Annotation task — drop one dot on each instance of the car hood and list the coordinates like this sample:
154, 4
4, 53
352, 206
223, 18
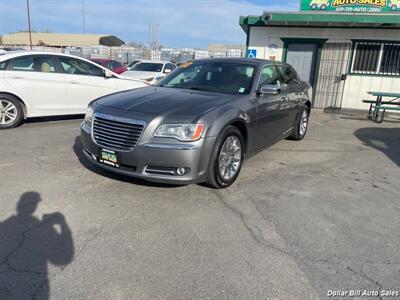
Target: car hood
157, 101
140, 74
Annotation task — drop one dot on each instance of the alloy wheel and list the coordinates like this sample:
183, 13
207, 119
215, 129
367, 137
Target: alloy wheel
8, 112
230, 158
303, 122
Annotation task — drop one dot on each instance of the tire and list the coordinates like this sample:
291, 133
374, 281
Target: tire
314, 6
394, 7
11, 112
323, 7
300, 132
230, 136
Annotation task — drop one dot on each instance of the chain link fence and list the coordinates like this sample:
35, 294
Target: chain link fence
126, 54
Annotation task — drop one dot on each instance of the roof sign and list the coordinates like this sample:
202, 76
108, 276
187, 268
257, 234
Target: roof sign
352, 6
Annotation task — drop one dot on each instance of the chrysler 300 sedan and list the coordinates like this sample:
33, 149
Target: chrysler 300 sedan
199, 122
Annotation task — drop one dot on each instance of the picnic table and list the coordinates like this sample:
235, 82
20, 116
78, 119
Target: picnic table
378, 107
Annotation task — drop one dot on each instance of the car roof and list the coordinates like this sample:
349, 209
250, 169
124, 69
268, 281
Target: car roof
256, 61
13, 54
155, 62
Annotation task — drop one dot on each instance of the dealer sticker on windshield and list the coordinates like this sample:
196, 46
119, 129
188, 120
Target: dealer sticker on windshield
109, 157
241, 90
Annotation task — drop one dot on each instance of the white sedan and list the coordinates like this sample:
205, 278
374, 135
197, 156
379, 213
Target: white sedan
150, 71
35, 84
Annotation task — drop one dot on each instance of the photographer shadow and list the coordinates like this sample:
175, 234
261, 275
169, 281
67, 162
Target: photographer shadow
27, 245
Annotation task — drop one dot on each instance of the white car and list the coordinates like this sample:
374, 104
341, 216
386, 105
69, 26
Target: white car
150, 71
36, 84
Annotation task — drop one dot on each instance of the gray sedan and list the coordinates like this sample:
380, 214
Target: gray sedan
198, 123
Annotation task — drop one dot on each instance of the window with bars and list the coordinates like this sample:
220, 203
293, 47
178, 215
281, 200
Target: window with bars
376, 58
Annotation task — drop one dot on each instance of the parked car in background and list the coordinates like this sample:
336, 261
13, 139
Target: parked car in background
132, 63
199, 123
110, 64
34, 84
150, 71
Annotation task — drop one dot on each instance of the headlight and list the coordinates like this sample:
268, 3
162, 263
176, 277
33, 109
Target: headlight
182, 132
89, 115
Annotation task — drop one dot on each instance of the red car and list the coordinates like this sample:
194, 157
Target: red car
110, 64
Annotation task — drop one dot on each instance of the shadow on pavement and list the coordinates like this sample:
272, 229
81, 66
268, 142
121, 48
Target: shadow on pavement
53, 118
386, 140
27, 245
77, 147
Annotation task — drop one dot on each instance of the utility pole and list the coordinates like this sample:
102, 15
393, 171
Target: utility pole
29, 23
83, 16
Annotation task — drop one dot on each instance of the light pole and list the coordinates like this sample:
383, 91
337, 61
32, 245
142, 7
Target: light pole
29, 23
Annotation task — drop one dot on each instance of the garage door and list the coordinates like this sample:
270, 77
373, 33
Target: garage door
333, 64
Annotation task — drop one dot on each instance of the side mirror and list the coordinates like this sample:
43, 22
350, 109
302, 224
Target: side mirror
108, 74
270, 89
167, 71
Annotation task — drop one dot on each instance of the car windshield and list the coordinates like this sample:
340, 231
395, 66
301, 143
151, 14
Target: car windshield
222, 77
148, 67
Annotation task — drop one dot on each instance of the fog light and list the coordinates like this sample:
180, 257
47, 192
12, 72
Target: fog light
180, 171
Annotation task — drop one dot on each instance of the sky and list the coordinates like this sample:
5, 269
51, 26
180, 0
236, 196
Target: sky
182, 23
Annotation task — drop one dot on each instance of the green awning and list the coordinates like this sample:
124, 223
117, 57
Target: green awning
335, 20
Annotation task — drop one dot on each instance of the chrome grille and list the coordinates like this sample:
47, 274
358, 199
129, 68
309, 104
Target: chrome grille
116, 134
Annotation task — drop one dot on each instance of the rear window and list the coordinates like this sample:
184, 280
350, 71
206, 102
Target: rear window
32, 64
149, 67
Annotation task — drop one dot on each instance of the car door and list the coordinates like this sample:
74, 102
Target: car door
85, 81
291, 85
38, 82
271, 116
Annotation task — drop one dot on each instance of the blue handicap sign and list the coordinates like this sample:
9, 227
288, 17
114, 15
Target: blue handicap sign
251, 53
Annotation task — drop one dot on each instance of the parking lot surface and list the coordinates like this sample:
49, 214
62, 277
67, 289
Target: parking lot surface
303, 218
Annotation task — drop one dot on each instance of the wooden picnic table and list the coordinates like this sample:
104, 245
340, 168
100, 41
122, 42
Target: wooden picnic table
380, 105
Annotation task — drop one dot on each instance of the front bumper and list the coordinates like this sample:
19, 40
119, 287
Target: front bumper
148, 157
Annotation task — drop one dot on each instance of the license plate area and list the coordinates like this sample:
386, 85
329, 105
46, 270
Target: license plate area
109, 157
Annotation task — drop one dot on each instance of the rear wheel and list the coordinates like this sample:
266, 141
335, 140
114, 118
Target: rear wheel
226, 159
302, 125
11, 113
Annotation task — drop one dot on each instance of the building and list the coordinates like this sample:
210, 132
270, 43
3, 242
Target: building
226, 50
343, 55
60, 39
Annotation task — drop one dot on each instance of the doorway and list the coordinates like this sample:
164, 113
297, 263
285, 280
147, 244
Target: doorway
302, 57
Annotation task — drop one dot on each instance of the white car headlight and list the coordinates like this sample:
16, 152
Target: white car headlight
89, 115
182, 132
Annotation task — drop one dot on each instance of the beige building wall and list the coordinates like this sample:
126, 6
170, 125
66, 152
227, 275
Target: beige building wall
267, 41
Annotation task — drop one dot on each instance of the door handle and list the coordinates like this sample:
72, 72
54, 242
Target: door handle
284, 99
17, 77
300, 93
74, 82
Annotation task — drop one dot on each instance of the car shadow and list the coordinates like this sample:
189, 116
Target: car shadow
385, 140
53, 118
77, 147
28, 245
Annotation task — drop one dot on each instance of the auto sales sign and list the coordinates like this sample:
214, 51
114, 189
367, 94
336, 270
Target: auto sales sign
352, 6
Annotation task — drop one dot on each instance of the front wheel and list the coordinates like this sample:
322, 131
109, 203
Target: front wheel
226, 158
302, 125
11, 113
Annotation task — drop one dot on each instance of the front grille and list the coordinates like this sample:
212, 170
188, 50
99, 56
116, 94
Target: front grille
116, 135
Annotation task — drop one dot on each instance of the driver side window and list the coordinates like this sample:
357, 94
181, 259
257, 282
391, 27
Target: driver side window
269, 75
79, 67
288, 76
